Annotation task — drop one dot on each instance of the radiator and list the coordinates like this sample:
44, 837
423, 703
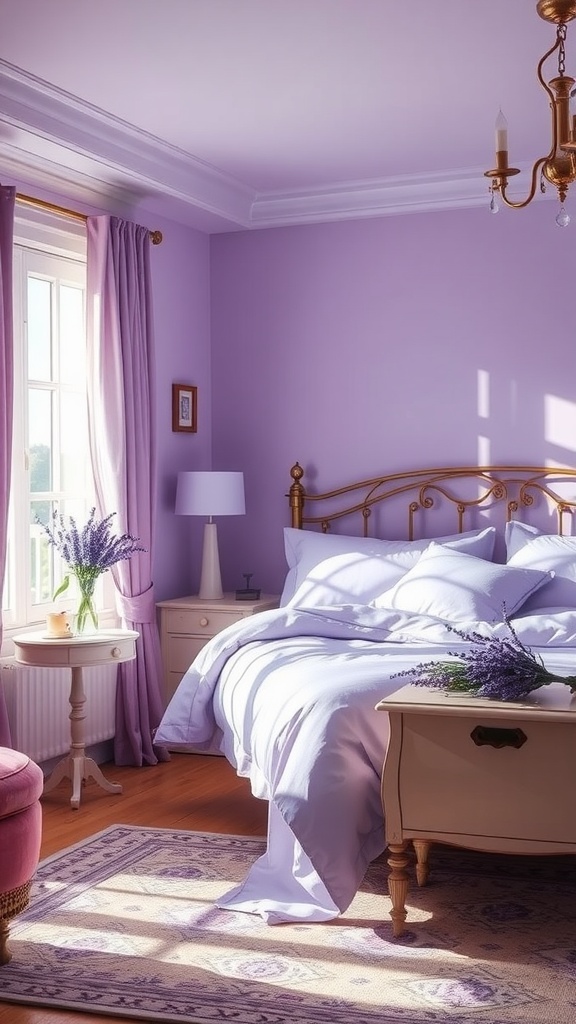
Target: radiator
39, 708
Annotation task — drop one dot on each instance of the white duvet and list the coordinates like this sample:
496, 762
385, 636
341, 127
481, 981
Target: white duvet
289, 697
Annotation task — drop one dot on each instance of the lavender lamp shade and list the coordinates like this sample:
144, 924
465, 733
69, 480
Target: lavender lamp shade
210, 494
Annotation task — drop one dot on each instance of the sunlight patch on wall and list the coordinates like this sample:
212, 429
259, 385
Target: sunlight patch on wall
483, 408
483, 394
560, 422
560, 430
483, 451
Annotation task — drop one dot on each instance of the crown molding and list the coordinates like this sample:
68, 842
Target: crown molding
417, 193
41, 126
55, 140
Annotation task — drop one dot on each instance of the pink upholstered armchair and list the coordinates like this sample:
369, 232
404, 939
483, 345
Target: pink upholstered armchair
21, 783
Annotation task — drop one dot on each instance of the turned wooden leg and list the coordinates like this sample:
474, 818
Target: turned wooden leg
11, 903
398, 885
422, 849
5, 954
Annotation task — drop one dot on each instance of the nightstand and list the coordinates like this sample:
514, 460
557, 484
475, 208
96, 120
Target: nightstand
187, 623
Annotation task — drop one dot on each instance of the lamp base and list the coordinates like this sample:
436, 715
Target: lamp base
210, 580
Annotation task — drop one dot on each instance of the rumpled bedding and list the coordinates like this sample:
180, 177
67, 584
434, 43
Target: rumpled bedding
289, 697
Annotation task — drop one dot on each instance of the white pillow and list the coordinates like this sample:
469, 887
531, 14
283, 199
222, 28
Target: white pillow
530, 549
457, 587
327, 569
517, 535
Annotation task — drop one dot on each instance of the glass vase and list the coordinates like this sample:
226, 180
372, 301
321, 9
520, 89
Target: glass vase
86, 619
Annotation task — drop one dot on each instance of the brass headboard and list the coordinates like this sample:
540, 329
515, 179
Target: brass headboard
463, 488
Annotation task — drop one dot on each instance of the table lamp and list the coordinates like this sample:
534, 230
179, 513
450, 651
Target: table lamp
210, 494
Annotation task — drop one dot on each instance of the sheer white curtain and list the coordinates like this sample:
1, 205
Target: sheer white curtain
121, 407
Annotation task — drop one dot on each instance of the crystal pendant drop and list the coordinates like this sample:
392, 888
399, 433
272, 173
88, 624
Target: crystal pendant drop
493, 204
562, 218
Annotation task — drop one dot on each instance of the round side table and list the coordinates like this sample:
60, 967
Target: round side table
77, 653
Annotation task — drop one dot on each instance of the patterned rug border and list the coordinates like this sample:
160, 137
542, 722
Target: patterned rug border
158, 989
257, 840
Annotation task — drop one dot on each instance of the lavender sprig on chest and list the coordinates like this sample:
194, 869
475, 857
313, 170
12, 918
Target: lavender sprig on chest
495, 667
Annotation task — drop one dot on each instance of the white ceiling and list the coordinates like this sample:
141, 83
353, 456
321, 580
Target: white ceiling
230, 114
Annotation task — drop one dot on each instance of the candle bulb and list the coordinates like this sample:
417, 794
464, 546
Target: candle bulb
501, 139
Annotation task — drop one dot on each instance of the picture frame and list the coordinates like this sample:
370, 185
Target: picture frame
184, 408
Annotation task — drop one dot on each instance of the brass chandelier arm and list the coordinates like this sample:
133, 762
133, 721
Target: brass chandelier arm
500, 186
551, 95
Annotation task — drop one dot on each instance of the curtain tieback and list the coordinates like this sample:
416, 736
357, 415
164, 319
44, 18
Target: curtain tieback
139, 608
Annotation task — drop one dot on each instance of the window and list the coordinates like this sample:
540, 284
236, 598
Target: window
50, 459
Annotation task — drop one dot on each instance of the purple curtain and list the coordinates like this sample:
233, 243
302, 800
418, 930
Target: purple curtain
7, 200
122, 441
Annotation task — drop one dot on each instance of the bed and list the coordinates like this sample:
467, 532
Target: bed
289, 695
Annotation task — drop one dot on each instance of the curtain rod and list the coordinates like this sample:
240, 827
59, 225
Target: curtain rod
155, 236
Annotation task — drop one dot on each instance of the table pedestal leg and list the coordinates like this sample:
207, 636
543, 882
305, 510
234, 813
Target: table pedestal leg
76, 766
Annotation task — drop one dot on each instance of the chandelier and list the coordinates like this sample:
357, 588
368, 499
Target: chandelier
558, 167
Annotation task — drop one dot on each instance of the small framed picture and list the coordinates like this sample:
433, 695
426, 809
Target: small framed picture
184, 407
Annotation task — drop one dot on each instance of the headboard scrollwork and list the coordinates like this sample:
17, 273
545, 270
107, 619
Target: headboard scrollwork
463, 489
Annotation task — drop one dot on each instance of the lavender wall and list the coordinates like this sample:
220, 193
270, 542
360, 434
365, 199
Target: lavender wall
368, 346
182, 332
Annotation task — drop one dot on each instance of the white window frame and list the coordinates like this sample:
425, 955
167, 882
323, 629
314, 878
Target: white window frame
42, 232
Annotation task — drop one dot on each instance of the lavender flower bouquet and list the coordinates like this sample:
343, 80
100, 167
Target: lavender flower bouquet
501, 669
88, 553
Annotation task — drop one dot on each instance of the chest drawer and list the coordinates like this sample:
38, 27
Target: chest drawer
450, 784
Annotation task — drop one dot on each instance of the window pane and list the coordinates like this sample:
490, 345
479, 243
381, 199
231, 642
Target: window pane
72, 338
74, 443
40, 439
41, 554
39, 329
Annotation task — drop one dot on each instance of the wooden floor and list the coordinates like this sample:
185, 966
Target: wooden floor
190, 791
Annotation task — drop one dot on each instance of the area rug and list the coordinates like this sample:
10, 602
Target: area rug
124, 924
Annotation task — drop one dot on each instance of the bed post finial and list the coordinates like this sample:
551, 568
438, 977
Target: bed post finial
296, 496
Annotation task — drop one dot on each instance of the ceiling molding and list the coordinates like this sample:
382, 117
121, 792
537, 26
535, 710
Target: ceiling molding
40, 124
58, 142
385, 197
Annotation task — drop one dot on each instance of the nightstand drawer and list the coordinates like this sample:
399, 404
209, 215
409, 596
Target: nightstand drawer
201, 621
181, 651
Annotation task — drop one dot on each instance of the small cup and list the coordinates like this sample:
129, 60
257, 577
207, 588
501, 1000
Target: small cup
58, 625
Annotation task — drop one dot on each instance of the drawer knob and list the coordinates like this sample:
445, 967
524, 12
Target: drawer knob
115, 652
204, 621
